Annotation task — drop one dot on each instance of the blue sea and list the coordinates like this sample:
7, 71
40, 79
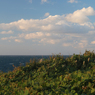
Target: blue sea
6, 61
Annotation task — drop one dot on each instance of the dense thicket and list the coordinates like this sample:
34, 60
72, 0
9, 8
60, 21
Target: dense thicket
74, 75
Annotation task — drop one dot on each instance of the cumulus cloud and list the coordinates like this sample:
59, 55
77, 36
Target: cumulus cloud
42, 37
34, 24
73, 1
5, 32
67, 44
93, 42
50, 41
88, 24
80, 16
8, 38
5, 38
53, 23
83, 43
18, 40
65, 29
36, 35
76, 43
46, 14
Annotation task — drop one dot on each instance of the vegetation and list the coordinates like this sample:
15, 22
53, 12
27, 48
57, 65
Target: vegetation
54, 76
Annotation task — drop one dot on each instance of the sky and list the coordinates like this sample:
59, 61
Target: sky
46, 27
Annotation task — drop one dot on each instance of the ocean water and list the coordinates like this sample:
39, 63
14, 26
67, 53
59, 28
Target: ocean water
6, 62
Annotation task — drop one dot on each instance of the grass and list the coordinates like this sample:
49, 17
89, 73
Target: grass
54, 76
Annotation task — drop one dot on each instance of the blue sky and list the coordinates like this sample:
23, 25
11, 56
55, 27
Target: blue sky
46, 27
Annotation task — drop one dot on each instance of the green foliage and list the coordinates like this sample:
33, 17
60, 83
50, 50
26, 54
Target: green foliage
54, 76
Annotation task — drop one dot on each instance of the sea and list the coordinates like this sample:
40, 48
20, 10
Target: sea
7, 61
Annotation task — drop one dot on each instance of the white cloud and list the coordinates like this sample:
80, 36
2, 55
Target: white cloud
5, 32
50, 41
8, 38
33, 24
18, 40
47, 27
67, 44
53, 23
80, 16
83, 43
88, 24
66, 30
46, 14
12, 38
37, 35
34, 35
50, 38
73, 1
93, 42
79, 44
5, 38
48, 34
